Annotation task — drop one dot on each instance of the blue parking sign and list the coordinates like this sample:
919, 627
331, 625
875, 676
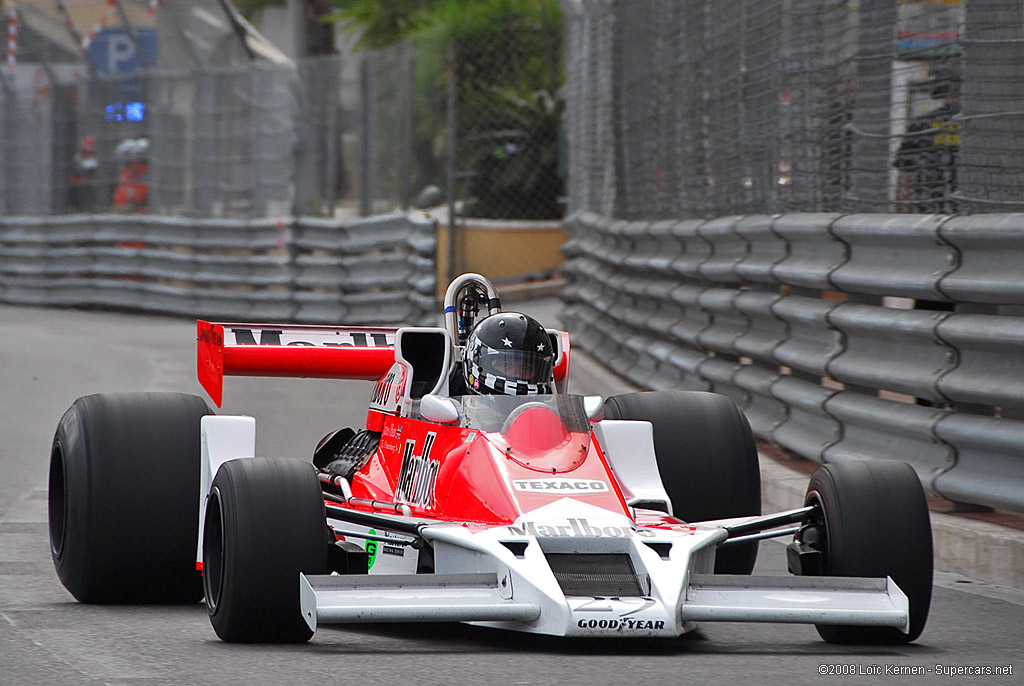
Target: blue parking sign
113, 52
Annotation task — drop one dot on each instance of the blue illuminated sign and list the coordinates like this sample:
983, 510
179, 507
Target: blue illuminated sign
125, 111
113, 51
135, 111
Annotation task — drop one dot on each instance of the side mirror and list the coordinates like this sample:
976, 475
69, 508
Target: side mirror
593, 405
435, 408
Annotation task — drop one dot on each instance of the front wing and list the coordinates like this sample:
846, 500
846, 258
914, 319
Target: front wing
624, 581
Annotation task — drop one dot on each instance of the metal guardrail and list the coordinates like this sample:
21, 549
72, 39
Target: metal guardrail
842, 337
378, 270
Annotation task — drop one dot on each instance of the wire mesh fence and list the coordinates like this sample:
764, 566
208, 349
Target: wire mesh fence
477, 94
507, 79
181, 108
125, 106
380, 130
700, 108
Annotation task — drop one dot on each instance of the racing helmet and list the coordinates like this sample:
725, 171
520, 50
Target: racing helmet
509, 353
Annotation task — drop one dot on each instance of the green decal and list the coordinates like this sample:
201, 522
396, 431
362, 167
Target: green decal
371, 548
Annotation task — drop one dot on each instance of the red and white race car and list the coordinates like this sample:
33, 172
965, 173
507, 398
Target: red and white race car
473, 494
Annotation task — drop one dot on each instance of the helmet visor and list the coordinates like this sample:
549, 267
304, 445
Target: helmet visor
517, 365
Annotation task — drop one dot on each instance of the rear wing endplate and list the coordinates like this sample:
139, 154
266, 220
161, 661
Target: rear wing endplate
320, 352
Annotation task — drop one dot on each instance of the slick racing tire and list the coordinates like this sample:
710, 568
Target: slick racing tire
265, 523
124, 498
707, 458
874, 523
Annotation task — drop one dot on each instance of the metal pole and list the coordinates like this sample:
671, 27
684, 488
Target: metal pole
236, 26
132, 36
332, 142
297, 24
452, 218
76, 36
410, 124
365, 157
8, 158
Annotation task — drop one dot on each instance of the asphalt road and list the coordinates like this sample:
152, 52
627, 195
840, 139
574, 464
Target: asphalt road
50, 357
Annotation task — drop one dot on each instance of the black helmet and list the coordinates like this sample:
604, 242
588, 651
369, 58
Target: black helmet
509, 353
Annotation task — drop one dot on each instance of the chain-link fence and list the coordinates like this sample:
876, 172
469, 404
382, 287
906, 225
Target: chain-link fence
379, 117
181, 108
169, 108
508, 104
480, 86
692, 108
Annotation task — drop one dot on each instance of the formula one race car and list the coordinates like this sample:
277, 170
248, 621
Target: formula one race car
479, 491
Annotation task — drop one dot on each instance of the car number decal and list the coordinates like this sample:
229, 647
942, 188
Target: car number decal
418, 476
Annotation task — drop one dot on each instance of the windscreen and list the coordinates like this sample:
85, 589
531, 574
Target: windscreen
491, 412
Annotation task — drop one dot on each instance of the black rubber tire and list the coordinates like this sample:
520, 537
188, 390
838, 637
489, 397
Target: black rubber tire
124, 498
265, 523
876, 524
707, 458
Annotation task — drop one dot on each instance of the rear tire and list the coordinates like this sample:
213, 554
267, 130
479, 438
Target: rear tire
265, 523
876, 524
707, 458
124, 498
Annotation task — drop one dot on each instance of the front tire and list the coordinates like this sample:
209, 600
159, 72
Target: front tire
124, 498
265, 523
707, 458
875, 524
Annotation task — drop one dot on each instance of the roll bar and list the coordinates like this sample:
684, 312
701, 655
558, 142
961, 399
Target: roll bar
458, 322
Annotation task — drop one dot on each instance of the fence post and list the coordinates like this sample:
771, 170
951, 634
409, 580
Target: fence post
366, 140
452, 172
410, 127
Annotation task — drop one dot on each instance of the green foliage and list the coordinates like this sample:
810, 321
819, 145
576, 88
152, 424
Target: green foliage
516, 168
382, 23
508, 73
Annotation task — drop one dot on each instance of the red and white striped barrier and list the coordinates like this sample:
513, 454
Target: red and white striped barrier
12, 37
100, 25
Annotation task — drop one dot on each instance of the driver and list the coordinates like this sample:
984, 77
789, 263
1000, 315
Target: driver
507, 353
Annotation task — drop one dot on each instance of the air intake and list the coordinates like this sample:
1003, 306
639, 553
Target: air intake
597, 574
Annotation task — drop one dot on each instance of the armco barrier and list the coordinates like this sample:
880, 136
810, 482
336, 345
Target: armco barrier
891, 349
377, 270
988, 350
889, 256
870, 336
988, 270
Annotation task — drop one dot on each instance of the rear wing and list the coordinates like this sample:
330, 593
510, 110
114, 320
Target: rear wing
320, 352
